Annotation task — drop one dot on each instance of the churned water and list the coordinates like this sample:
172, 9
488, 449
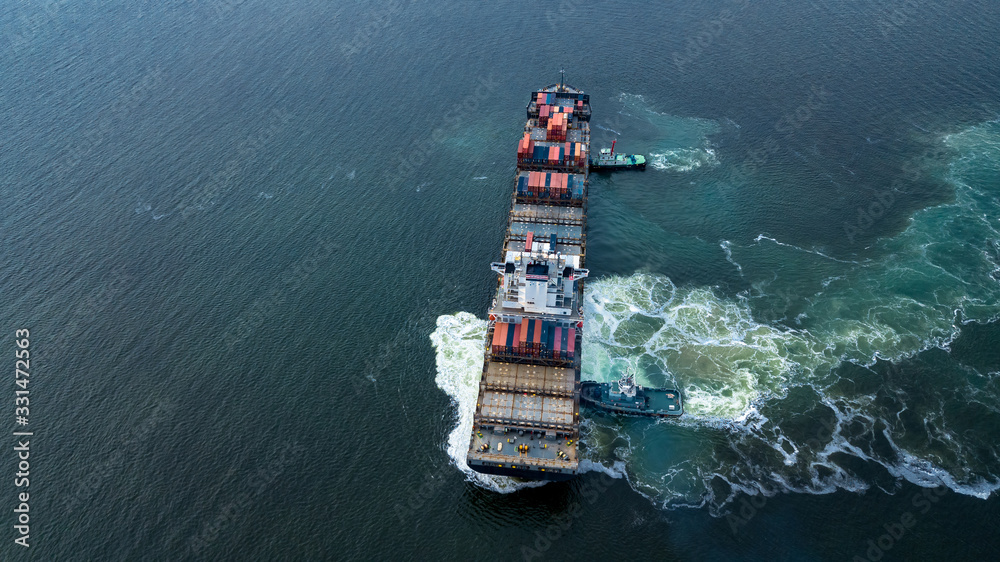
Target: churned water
251, 244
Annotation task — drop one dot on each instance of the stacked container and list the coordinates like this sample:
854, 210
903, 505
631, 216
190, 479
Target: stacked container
549, 185
556, 128
533, 337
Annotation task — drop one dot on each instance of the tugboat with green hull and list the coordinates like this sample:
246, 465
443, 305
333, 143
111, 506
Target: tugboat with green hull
609, 161
625, 397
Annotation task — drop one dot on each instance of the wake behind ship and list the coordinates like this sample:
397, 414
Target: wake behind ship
527, 418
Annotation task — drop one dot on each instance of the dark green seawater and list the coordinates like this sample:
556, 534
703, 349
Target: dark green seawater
251, 240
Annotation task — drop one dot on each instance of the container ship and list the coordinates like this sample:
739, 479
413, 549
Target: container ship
527, 418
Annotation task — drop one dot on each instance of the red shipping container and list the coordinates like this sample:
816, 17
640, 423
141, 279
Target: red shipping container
553, 154
571, 343
523, 337
517, 338
557, 341
497, 330
538, 334
527, 243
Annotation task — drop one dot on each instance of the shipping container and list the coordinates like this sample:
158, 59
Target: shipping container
557, 343
497, 331
527, 242
571, 343
523, 334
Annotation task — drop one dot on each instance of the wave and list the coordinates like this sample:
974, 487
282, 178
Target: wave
681, 144
683, 159
458, 341
841, 398
752, 382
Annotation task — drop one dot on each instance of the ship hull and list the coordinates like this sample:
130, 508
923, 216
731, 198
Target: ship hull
522, 473
527, 419
596, 167
619, 162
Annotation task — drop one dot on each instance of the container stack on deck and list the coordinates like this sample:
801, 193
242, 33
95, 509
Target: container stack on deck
527, 418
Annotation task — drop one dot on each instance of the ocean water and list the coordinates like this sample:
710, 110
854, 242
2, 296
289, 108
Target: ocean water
251, 244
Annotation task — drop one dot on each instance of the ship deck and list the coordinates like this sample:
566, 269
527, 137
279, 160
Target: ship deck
529, 394
530, 378
542, 452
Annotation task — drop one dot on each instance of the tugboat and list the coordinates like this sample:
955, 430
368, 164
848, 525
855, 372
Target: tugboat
625, 397
608, 160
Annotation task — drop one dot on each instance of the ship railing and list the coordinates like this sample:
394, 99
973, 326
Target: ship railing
522, 359
548, 201
560, 393
524, 459
527, 425
533, 218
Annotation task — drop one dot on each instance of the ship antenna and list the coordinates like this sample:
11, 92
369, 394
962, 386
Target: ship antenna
626, 384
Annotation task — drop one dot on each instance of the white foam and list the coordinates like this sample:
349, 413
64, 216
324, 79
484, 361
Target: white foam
616, 470
727, 247
459, 341
683, 159
732, 368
